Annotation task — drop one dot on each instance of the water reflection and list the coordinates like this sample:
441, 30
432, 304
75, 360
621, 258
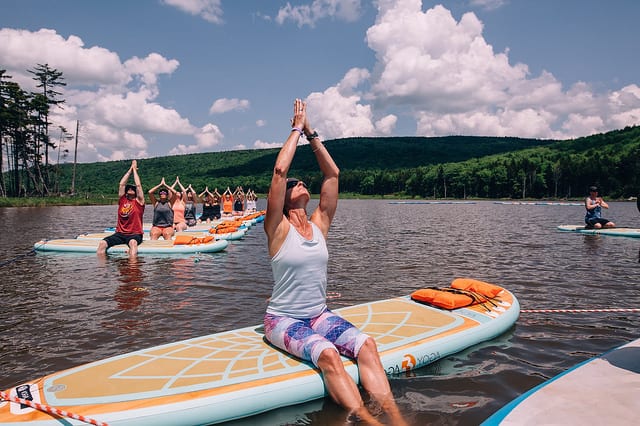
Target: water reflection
593, 244
130, 294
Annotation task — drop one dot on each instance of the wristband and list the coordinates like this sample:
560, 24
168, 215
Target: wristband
297, 129
312, 136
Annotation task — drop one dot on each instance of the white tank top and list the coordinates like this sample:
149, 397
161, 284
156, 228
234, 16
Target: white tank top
300, 275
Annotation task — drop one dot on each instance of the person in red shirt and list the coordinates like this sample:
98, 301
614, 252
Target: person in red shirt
130, 212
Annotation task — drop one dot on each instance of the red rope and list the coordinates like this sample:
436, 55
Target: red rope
580, 310
51, 410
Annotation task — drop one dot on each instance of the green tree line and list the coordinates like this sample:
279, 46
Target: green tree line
444, 167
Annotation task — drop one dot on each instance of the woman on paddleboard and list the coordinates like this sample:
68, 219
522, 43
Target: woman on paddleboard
130, 211
179, 206
162, 225
297, 318
594, 205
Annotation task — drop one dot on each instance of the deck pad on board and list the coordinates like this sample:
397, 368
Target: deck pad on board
235, 374
603, 390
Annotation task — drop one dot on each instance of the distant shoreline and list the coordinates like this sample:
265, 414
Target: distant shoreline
113, 200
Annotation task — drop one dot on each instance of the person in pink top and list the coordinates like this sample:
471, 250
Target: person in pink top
179, 206
130, 212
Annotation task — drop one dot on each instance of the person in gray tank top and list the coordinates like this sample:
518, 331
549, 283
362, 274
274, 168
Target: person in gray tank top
297, 318
162, 225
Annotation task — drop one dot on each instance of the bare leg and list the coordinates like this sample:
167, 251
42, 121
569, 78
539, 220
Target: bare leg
341, 387
102, 248
155, 233
374, 380
133, 248
167, 233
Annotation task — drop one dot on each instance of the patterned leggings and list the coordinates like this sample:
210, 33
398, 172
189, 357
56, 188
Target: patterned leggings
307, 338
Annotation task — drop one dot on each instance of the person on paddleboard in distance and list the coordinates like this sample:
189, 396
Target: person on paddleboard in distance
297, 318
594, 205
162, 225
130, 212
211, 207
179, 206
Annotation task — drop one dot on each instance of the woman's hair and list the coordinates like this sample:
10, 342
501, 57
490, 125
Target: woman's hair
132, 187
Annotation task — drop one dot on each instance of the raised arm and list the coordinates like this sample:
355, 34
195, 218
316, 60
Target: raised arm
125, 178
152, 192
324, 213
138, 182
273, 220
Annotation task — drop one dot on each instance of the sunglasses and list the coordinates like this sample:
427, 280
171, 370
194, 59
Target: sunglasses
293, 183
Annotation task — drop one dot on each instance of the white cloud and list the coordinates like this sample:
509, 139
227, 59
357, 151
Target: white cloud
207, 138
339, 109
489, 4
386, 124
113, 100
261, 123
21, 50
263, 145
209, 10
344, 10
225, 105
443, 74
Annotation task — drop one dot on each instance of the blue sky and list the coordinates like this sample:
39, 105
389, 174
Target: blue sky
149, 78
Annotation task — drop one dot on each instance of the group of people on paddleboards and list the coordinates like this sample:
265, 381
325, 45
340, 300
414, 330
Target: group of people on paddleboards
174, 209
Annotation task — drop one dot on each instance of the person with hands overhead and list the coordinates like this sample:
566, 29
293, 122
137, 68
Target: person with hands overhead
239, 200
129, 229
179, 206
210, 205
190, 209
594, 205
162, 225
297, 319
227, 202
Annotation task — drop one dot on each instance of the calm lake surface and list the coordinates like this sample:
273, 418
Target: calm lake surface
61, 310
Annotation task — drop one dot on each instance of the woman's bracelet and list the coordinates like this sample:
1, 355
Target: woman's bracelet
312, 136
297, 129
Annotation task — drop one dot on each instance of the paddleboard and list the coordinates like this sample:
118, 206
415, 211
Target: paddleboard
538, 203
236, 235
432, 202
601, 391
246, 221
236, 374
88, 245
200, 227
616, 232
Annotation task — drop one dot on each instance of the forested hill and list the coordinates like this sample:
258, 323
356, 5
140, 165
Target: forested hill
454, 166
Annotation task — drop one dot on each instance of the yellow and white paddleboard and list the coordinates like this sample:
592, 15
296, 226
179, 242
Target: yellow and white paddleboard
90, 245
235, 374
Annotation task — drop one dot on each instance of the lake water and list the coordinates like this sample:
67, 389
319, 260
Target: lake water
61, 310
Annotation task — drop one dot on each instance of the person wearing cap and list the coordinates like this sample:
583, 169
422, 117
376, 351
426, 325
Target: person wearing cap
297, 319
162, 225
130, 212
594, 205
